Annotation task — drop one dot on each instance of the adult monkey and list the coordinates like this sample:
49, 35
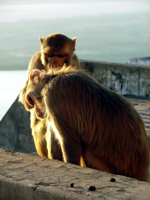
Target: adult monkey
56, 50
95, 126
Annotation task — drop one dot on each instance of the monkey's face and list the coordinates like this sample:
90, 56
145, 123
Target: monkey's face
56, 50
33, 96
38, 104
55, 59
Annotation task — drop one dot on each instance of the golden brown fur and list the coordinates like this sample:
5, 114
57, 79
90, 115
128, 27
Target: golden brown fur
56, 49
94, 126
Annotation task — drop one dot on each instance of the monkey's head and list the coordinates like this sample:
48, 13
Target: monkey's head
34, 96
56, 50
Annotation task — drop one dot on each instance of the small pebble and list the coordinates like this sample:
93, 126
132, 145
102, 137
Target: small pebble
72, 185
92, 188
112, 180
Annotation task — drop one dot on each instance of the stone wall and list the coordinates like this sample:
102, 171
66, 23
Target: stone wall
123, 78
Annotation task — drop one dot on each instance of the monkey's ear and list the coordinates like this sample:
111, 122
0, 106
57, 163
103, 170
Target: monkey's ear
41, 40
74, 43
33, 74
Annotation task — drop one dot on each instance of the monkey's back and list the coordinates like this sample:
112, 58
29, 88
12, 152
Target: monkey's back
101, 120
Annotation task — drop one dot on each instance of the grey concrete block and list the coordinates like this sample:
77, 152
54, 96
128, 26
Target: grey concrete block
15, 133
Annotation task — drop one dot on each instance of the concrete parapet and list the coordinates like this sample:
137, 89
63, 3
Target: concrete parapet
122, 78
30, 177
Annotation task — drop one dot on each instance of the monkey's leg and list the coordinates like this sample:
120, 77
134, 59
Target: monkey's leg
53, 146
90, 160
40, 143
71, 150
39, 129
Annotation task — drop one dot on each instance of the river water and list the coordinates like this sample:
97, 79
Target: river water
106, 30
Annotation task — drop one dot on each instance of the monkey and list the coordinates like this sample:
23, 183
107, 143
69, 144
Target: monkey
56, 50
45, 143
95, 126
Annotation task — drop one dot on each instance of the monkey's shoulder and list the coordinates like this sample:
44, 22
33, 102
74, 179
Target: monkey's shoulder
35, 62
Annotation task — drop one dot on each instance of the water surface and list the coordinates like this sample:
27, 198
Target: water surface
106, 30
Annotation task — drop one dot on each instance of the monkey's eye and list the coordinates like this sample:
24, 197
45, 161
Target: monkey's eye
61, 55
50, 55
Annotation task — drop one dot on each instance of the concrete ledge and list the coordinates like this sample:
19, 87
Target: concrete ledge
30, 177
122, 78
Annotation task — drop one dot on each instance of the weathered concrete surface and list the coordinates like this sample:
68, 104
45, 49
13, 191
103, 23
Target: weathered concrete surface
15, 133
122, 78
30, 177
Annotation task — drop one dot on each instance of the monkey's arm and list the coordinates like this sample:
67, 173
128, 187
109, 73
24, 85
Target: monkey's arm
35, 62
75, 61
39, 130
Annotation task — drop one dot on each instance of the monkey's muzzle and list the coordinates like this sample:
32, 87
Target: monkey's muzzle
29, 99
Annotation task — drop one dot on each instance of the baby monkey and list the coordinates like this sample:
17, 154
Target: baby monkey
94, 126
